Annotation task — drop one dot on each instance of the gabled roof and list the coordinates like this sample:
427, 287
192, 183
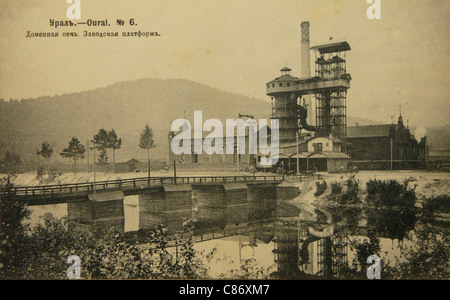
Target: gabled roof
128, 161
284, 78
332, 47
329, 155
368, 131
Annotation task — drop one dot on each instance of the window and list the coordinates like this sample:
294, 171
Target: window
281, 84
317, 147
288, 84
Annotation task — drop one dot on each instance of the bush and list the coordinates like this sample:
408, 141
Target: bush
439, 204
336, 192
321, 186
351, 195
390, 193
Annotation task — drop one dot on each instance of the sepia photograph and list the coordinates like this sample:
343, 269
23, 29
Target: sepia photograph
203, 141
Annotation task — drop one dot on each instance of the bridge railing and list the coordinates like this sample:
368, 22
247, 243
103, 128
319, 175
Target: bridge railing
136, 183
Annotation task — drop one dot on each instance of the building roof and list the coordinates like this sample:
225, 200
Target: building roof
284, 78
332, 138
301, 155
132, 160
439, 152
332, 47
368, 131
329, 155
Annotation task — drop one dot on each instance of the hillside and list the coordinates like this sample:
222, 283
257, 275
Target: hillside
127, 107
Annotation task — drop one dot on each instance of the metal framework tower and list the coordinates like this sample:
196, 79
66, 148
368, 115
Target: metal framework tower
329, 86
331, 103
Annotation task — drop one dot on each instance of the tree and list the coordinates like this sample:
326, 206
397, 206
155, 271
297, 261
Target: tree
114, 143
427, 257
13, 231
101, 139
101, 142
10, 162
103, 158
147, 142
104, 140
46, 151
75, 151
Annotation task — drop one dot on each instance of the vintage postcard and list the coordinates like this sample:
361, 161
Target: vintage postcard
206, 139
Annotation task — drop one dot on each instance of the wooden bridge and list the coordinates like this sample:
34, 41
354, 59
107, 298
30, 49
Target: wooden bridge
62, 193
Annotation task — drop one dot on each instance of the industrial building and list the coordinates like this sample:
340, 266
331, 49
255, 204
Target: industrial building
312, 115
386, 146
309, 147
316, 148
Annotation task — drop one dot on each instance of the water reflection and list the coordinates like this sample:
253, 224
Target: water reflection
296, 244
323, 247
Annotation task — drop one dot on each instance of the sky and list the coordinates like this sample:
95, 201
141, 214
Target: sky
236, 46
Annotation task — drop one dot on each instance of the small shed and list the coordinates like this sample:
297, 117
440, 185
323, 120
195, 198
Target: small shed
131, 165
328, 161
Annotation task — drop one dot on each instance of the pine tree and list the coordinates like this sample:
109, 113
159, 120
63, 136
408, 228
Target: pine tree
103, 158
46, 151
11, 162
147, 142
114, 143
75, 151
101, 140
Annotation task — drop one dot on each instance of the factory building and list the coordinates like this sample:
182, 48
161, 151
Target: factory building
313, 132
380, 147
318, 147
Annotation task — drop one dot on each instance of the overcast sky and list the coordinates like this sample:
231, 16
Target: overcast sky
237, 46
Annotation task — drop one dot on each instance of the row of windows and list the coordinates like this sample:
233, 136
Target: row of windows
288, 84
194, 158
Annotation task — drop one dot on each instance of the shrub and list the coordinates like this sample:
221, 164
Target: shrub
351, 195
390, 193
336, 191
320, 188
440, 204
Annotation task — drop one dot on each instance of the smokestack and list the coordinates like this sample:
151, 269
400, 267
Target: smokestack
306, 61
306, 68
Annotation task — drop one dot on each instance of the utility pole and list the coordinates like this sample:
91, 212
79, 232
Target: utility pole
298, 159
95, 174
88, 156
174, 171
392, 146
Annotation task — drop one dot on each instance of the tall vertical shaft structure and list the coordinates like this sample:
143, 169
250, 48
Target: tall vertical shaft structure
329, 86
331, 103
306, 59
306, 67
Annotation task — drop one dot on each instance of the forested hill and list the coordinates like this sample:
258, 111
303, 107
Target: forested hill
126, 107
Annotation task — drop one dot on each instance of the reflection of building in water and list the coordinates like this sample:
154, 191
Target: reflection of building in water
302, 248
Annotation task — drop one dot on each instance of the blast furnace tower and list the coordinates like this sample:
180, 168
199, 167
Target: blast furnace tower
291, 96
